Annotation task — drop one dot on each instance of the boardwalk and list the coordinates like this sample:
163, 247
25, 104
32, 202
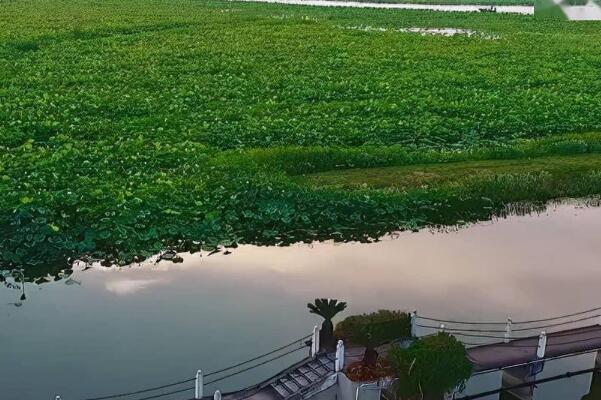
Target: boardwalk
519, 351
495, 365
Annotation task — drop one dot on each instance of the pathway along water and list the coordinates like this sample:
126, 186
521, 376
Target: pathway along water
528, 10
115, 330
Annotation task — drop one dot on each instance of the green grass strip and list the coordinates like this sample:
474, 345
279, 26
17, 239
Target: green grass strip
431, 175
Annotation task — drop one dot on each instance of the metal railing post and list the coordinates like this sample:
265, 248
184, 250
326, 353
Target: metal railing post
315, 341
542, 345
198, 385
339, 356
508, 330
414, 324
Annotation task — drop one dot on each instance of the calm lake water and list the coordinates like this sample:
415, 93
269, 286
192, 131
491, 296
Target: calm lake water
123, 329
401, 6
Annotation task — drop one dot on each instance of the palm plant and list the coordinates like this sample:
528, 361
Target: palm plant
327, 309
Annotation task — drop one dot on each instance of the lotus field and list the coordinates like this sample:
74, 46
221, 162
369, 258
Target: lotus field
129, 127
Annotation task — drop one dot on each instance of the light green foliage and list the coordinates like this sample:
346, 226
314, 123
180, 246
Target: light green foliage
131, 126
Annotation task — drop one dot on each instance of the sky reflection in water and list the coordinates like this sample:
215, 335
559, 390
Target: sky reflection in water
121, 329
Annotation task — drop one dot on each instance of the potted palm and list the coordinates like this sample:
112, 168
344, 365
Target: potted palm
327, 309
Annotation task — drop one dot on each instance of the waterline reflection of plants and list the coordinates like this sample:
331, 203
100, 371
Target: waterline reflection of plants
9, 280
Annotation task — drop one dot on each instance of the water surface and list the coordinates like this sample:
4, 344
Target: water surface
113, 329
401, 6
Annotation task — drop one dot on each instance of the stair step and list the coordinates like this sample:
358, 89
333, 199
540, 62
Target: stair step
289, 384
309, 374
282, 391
318, 368
326, 362
299, 379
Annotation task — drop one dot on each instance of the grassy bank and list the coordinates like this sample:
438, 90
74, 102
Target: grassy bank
128, 127
428, 175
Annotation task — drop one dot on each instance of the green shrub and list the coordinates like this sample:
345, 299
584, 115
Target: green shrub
374, 329
430, 367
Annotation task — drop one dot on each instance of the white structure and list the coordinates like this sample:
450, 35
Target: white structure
339, 356
198, 385
315, 341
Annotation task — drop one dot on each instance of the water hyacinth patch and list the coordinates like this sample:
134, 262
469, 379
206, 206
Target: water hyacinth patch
125, 133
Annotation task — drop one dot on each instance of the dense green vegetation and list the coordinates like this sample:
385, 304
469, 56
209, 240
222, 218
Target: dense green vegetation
430, 367
127, 127
372, 330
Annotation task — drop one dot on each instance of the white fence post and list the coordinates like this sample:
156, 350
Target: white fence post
217, 395
508, 330
58, 398
542, 345
198, 387
414, 324
339, 356
442, 328
315, 341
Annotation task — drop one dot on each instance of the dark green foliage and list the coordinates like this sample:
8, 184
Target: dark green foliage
374, 329
128, 127
575, 2
25, 45
430, 367
327, 309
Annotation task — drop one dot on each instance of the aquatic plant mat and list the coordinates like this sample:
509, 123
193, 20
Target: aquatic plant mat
129, 127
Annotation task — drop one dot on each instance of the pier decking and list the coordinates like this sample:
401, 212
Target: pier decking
313, 376
520, 351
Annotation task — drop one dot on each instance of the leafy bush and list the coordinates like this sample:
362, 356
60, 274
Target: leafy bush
430, 367
374, 329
